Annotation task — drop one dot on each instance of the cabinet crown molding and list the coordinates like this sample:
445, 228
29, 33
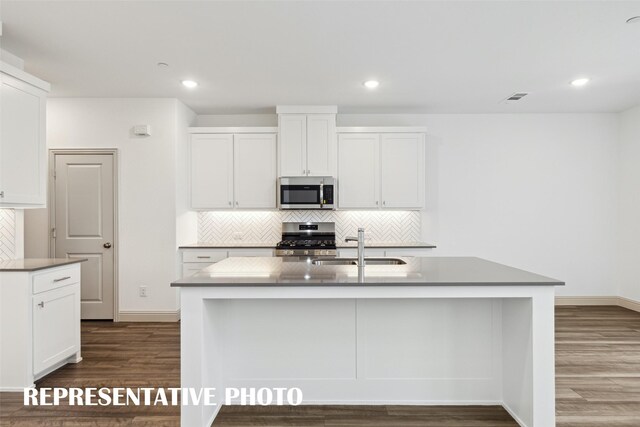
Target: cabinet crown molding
24, 76
307, 109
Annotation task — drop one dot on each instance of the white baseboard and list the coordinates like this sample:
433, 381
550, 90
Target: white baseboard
603, 300
149, 316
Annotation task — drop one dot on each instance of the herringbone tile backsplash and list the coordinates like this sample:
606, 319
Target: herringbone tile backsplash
266, 226
7, 234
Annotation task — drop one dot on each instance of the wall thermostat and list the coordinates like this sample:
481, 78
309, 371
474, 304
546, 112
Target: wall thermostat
142, 130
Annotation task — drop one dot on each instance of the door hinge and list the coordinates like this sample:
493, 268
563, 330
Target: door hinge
53, 233
54, 174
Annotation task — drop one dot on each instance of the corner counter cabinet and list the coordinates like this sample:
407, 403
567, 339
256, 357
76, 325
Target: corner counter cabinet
39, 319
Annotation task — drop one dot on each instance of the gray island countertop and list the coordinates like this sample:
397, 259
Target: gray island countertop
34, 264
418, 271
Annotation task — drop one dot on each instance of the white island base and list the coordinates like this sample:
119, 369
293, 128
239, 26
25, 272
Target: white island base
472, 344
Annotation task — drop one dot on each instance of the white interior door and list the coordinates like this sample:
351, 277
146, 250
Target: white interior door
255, 171
402, 170
84, 226
358, 171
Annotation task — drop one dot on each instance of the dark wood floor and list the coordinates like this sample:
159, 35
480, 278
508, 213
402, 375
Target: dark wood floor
597, 370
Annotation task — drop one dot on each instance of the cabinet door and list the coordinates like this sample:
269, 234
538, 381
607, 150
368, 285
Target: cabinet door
321, 144
255, 171
212, 171
358, 171
292, 144
402, 170
22, 144
56, 326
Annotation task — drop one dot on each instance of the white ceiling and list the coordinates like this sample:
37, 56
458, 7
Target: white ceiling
432, 57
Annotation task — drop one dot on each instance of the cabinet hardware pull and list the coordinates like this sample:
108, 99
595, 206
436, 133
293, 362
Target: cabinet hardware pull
237, 204
41, 304
61, 279
229, 203
376, 203
1, 194
205, 257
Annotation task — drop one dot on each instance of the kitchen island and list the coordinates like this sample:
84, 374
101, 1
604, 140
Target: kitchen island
432, 331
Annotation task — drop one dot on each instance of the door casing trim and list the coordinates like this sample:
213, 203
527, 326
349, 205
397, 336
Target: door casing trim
52, 209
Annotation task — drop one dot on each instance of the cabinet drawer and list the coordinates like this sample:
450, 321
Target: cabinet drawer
55, 278
205, 256
250, 252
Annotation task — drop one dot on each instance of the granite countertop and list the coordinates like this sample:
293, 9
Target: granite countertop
418, 271
339, 245
34, 264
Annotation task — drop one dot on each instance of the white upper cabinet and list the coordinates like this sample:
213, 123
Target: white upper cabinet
358, 171
255, 171
233, 171
292, 141
307, 144
23, 158
380, 170
321, 144
212, 171
402, 170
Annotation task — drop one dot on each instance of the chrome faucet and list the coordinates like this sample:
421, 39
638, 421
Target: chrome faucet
360, 240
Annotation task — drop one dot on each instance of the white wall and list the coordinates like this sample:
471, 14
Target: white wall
629, 205
146, 187
535, 191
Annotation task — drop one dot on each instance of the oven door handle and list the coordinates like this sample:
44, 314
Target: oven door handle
321, 195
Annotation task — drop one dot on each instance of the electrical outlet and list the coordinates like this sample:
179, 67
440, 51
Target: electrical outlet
143, 291
238, 235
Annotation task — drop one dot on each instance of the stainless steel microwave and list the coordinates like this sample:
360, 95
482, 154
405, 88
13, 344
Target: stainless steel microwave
311, 192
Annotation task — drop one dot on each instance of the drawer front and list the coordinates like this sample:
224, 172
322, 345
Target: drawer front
250, 252
353, 253
408, 252
55, 278
205, 256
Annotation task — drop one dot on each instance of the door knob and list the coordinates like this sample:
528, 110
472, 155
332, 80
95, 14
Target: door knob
107, 245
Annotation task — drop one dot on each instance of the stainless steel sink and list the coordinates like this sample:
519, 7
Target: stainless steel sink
354, 261
384, 261
335, 261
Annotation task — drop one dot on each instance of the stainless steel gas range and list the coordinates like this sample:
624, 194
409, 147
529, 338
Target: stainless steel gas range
307, 239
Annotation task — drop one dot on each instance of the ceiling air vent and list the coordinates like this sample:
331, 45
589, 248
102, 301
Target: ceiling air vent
517, 96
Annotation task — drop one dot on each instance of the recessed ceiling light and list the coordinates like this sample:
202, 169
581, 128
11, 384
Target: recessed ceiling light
580, 82
189, 83
371, 84
633, 20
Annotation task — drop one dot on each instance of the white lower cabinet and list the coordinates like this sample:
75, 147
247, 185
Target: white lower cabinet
194, 260
39, 323
56, 326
